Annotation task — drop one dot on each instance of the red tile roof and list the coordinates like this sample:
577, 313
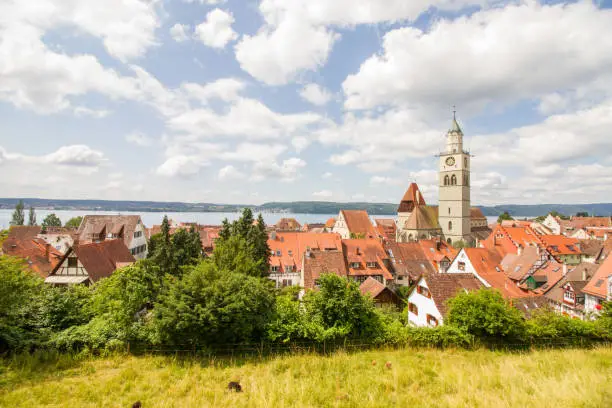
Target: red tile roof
412, 198
22, 242
598, 285
506, 240
358, 222
386, 228
409, 259
330, 223
444, 286
487, 266
319, 262
101, 259
364, 252
287, 224
292, 245
96, 224
561, 245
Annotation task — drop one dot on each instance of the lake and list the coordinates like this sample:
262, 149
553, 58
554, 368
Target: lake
155, 218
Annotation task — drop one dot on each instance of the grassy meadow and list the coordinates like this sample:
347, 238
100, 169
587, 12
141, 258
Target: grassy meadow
421, 378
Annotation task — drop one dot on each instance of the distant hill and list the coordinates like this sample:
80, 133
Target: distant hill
299, 207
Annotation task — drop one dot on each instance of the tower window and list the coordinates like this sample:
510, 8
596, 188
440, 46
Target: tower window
450, 225
448, 210
453, 180
446, 180
465, 162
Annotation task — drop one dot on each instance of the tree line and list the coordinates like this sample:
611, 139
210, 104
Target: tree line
51, 220
179, 297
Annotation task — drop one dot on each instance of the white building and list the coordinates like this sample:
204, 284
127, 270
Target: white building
427, 302
129, 228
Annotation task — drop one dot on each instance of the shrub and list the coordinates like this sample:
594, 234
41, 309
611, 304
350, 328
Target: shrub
485, 314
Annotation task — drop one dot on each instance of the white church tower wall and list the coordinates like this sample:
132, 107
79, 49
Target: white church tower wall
454, 182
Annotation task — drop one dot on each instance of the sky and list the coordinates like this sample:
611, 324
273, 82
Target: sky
245, 101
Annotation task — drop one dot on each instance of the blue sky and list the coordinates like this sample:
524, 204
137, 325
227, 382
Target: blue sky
253, 101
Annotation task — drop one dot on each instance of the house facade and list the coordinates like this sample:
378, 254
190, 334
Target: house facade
354, 224
85, 264
428, 300
128, 228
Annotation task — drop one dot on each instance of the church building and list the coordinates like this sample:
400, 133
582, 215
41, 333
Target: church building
453, 219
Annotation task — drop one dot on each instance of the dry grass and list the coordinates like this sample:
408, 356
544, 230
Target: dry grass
420, 378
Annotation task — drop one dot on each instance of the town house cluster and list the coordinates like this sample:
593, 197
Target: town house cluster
438, 251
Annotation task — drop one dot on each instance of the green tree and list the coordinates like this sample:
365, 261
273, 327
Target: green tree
74, 222
485, 314
338, 310
582, 214
504, 217
119, 305
253, 232
51, 220
64, 307
209, 307
160, 249
19, 290
32, 216
186, 247
18, 215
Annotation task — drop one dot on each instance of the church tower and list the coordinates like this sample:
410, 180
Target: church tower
454, 206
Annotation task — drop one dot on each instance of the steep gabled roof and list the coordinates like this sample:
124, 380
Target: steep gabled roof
95, 224
316, 263
358, 222
597, 286
22, 242
412, 198
101, 259
443, 286
409, 259
423, 218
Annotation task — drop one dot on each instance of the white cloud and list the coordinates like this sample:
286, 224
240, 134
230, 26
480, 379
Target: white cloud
323, 194
315, 94
254, 152
76, 155
139, 139
298, 35
513, 49
277, 55
81, 111
181, 166
216, 31
327, 175
225, 89
287, 171
178, 32
386, 180
300, 143
247, 118
229, 172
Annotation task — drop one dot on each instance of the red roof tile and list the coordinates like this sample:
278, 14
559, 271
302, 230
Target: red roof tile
412, 198
597, 286
22, 242
358, 222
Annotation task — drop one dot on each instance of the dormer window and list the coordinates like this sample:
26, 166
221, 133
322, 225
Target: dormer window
278, 253
371, 264
355, 265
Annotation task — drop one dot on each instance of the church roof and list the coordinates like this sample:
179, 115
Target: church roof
412, 198
424, 217
455, 126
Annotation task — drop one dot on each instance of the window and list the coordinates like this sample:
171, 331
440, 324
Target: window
278, 253
453, 180
448, 210
446, 180
290, 252
461, 266
355, 265
465, 162
73, 262
413, 309
432, 321
137, 234
569, 296
371, 264
286, 282
422, 290
274, 268
450, 225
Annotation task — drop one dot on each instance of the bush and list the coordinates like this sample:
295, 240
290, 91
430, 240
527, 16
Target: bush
548, 324
210, 307
485, 314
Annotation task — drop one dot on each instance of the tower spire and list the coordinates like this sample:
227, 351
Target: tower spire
455, 125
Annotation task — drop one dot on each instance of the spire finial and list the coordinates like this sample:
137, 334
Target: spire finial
454, 112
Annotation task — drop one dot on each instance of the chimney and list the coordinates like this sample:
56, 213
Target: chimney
564, 269
584, 274
519, 250
47, 245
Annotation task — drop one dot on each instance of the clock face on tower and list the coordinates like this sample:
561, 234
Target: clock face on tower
450, 161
